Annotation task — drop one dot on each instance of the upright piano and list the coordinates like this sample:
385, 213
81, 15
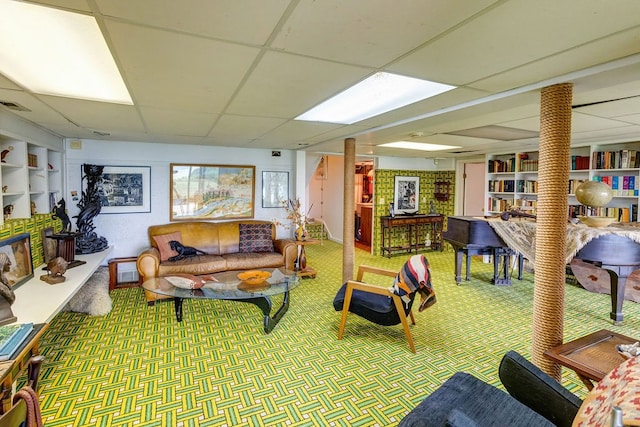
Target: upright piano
618, 255
472, 236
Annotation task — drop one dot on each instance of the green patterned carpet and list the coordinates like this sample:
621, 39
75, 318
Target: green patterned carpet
138, 366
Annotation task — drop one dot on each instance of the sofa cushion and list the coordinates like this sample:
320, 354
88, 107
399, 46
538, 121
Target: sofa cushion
200, 264
256, 238
475, 400
249, 261
162, 241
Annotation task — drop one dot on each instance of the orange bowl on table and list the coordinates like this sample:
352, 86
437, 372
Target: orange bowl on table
254, 277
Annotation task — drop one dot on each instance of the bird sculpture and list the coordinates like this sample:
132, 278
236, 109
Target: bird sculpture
57, 266
55, 271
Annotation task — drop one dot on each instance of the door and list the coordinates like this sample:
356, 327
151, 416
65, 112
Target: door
473, 181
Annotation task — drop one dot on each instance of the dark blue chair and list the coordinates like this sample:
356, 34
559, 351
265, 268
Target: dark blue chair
375, 303
532, 399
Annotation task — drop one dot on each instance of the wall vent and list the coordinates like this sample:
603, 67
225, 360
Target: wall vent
127, 276
14, 106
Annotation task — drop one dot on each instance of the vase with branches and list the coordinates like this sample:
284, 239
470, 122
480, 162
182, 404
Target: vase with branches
297, 218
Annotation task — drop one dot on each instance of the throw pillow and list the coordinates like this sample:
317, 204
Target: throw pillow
162, 240
256, 238
621, 387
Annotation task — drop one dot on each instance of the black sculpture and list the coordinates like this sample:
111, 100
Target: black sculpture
60, 212
88, 241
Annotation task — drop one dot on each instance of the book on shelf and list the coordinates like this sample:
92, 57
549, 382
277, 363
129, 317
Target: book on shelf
12, 337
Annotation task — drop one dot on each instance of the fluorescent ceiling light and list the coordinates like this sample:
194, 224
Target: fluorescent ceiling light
375, 95
54, 52
409, 145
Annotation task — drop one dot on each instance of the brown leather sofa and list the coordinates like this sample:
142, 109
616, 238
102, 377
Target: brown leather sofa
220, 241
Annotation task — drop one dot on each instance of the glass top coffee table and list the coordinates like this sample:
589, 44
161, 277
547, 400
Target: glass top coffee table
230, 287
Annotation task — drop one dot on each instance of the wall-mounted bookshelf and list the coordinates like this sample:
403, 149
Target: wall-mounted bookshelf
26, 178
512, 179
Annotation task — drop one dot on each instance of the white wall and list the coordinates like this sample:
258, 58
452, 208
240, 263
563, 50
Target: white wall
415, 163
128, 232
18, 128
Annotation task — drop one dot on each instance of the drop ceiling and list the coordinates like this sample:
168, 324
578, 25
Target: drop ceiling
236, 73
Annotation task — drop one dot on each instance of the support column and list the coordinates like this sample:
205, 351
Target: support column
349, 209
553, 175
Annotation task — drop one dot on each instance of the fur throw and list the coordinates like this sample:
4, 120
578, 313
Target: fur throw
93, 298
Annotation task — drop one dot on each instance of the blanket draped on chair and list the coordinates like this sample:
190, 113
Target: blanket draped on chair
415, 276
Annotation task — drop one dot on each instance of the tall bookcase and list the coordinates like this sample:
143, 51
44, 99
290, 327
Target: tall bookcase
512, 179
30, 178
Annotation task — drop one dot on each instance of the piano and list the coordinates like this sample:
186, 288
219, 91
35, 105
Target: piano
617, 255
472, 236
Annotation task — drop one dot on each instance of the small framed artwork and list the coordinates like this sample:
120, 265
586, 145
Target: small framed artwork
211, 192
275, 188
125, 189
406, 194
15, 260
50, 246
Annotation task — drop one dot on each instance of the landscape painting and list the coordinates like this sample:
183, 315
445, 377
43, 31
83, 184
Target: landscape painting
211, 192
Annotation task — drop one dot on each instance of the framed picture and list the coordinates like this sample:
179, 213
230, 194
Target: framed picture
50, 246
211, 192
275, 188
15, 259
125, 189
406, 194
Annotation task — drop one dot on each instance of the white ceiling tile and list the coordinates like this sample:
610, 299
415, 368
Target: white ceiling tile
581, 57
254, 65
177, 122
250, 127
97, 115
5, 83
516, 32
246, 21
587, 123
373, 34
632, 118
299, 131
178, 71
284, 85
72, 5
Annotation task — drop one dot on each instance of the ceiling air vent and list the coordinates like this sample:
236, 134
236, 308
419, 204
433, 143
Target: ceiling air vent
14, 106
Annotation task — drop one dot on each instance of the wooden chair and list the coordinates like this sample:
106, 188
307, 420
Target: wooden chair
374, 303
25, 411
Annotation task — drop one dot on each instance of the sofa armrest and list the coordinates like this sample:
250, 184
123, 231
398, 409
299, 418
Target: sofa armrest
289, 249
531, 386
148, 263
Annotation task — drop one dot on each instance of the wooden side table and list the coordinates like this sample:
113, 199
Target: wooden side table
592, 357
301, 262
113, 274
11, 369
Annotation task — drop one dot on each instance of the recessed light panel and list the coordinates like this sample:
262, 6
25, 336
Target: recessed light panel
375, 95
423, 146
54, 52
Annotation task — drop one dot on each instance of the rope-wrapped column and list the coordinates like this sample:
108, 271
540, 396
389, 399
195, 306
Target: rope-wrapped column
553, 175
349, 209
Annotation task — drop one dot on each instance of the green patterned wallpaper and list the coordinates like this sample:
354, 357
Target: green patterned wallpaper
384, 185
34, 227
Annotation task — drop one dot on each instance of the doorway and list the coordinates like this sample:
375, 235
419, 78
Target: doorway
364, 205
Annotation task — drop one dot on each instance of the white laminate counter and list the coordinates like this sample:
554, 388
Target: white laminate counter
38, 302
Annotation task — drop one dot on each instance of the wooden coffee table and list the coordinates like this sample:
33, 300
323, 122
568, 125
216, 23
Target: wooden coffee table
592, 357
